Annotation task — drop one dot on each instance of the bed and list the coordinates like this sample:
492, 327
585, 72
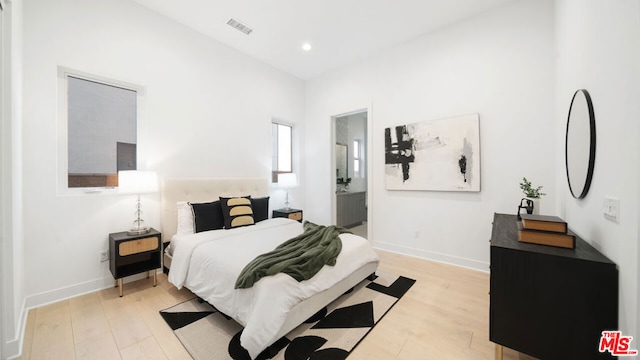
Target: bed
208, 263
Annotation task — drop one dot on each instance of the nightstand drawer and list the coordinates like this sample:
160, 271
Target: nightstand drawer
138, 246
295, 216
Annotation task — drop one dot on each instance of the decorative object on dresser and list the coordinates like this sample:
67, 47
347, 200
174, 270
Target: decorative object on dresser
549, 302
287, 181
293, 214
530, 191
533, 196
550, 238
439, 155
545, 230
525, 204
544, 223
137, 182
133, 254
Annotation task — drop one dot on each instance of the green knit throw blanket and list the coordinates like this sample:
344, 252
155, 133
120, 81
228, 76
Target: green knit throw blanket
300, 257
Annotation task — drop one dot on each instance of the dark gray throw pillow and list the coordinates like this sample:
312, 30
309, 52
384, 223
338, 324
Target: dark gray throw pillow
260, 208
208, 216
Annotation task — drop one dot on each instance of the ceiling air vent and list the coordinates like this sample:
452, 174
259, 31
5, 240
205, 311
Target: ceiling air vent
239, 26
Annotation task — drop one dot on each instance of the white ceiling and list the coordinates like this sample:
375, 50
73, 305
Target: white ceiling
341, 31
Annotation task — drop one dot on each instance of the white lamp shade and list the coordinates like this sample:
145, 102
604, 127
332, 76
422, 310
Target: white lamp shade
287, 180
137, 182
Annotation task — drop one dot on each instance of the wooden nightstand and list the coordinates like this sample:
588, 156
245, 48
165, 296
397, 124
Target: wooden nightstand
294, 214
133, 254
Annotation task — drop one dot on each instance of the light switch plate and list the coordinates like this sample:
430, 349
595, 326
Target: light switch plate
611, 209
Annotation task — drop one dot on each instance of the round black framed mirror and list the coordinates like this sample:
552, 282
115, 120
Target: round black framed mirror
580, 144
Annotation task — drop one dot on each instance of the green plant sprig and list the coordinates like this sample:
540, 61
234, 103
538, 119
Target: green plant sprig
529, 190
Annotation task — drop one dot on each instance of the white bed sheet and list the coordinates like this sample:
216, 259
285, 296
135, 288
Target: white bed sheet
208, 263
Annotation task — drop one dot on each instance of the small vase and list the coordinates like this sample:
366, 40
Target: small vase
536, 205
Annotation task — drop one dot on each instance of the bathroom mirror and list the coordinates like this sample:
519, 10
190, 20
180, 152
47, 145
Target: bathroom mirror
580, 144
341, 162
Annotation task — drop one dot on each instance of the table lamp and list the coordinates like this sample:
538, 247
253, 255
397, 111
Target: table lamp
137, 182
287, 181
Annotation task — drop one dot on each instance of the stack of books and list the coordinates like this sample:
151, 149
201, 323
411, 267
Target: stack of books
545, 230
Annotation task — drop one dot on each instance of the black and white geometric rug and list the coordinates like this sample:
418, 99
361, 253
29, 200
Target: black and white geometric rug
330, 334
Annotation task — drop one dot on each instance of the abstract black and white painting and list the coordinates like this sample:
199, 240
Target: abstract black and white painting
440, 155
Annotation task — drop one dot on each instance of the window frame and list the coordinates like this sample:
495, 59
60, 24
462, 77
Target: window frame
357, 158
62, 185
276, 172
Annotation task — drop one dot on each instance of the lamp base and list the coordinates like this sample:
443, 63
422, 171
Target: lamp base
139, 226
138, 231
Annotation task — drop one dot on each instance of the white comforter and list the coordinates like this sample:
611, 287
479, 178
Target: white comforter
208, 263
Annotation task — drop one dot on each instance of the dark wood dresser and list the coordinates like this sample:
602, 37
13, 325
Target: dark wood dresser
549, 302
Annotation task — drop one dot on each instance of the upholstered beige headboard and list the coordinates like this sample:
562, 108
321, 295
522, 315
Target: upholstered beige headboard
202, 190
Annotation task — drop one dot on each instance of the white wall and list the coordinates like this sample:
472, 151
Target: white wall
499, 64
598, 48
11, 244
207, 113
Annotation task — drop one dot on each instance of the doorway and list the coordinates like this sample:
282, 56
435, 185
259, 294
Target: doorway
351, 174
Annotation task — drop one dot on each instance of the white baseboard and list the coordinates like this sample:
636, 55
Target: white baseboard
13, 348
434, 256
52, 296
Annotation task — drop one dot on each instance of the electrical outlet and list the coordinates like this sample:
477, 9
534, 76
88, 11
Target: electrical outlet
103, 255
611, 209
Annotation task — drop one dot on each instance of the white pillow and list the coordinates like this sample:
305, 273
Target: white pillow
186, 224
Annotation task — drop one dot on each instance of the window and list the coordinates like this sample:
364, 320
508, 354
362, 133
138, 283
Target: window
99, 132
282, 149
358, 171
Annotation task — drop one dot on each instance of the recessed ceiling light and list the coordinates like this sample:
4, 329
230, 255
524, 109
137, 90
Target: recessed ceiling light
306, 47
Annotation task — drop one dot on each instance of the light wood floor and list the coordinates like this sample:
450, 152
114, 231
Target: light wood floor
445, 315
